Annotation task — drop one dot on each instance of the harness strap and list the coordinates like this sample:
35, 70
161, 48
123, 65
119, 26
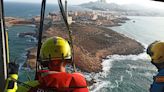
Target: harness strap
49, 89
78, 87
73, 87
159, 79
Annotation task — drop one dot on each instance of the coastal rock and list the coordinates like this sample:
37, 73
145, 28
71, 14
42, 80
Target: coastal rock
9, 21
92, 44
23, 34
31, 58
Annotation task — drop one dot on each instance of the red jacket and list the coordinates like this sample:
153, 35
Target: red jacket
61, 82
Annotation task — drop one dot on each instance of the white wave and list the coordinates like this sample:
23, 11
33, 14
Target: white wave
31, 25
96, 87
106, 84
31, 38
130, 73
18, 34
142, 56
146, 67
147, 74
107, 64
119, 81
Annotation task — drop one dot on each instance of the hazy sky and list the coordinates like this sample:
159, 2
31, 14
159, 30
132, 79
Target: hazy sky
76, 2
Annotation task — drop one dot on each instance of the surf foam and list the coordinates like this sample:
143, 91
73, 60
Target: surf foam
108, 64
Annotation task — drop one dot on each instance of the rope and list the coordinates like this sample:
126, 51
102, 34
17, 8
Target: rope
40, 32
69, 32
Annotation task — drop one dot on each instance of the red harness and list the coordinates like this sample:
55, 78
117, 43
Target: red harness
60, 82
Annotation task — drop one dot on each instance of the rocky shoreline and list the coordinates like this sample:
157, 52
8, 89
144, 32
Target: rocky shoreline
10, 21
91, 45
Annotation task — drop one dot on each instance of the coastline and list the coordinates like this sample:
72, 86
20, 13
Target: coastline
11, 21
91, 45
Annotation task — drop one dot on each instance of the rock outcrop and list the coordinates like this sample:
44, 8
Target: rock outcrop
10, 21
91, 45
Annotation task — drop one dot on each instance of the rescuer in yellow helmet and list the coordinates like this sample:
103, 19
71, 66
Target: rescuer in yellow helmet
55, 54
156, 52
55, 48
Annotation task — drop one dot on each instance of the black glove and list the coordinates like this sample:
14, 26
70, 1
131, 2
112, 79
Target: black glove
13, 68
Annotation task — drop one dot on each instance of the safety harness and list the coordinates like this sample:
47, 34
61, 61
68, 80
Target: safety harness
158, 83
41, 30
159, 79
68, 87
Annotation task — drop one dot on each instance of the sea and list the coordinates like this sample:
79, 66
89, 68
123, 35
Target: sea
131, 73
121, 73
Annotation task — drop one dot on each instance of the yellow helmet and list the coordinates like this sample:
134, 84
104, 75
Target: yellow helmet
156, 52
55, 48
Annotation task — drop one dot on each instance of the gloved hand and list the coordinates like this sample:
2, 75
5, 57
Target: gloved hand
13, 68
13, 77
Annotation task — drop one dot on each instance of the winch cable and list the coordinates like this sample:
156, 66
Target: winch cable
43, 6
69, 32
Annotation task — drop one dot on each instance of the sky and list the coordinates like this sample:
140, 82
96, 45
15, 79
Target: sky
148, 3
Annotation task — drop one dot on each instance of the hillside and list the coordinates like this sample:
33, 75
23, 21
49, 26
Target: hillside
128, 9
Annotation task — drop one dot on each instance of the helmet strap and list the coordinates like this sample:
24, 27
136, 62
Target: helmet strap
45, 63
158, 65
62, 57
49, 59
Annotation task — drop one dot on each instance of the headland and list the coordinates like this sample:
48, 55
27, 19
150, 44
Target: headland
91, 39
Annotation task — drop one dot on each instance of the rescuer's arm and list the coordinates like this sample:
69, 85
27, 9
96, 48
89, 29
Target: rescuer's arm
11, 84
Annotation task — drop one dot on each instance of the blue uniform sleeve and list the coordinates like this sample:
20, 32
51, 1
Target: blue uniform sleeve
157, 87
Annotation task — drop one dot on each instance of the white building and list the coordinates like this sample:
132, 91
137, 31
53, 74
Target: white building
69, 20
103, 1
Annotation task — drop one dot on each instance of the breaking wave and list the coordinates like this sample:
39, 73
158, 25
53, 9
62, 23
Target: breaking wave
31, 38
104, 81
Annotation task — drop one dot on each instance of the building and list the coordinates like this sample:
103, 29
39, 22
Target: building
94, 17
103, 1
70, 20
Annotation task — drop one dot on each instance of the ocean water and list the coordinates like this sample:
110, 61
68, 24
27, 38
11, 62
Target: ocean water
131, 73
18, 46
143, 29
26, 10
